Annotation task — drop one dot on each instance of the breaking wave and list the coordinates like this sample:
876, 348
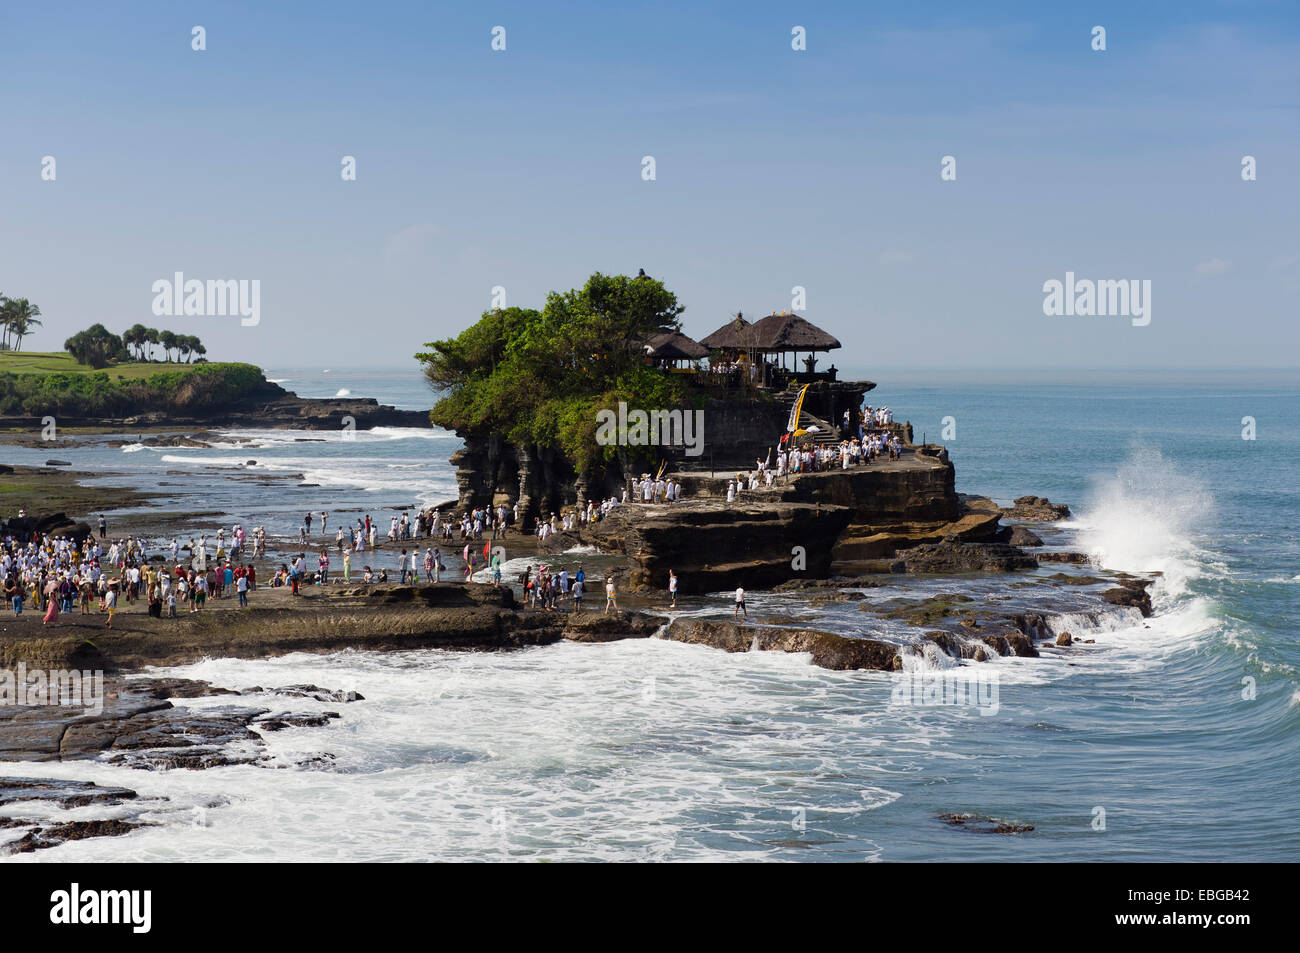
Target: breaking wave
1149, 518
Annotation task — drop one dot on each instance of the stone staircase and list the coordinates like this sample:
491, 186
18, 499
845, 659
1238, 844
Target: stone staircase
828, 434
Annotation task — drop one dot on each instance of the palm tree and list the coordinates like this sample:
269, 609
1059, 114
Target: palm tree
21, 318
133, 337
168, 340
198, 348
150, 337
4, 322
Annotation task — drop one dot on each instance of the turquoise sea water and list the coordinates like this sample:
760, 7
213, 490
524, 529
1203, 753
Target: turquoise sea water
1172, 738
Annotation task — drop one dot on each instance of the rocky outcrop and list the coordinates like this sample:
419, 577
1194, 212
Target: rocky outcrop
804, 527
136, 725
1131, 593
1023, 536
23, 528
56, 794
598, 627
447, 616
712, 546
861, 544
166, 440
827, 649
918, 489
980, 824
1036, 509
1009, 641
953, 555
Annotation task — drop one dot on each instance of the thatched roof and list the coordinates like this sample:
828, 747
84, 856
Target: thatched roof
734, 334
789, 332
776, 332
675, 346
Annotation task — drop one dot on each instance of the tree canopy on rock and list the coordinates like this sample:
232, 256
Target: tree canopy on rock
540, 377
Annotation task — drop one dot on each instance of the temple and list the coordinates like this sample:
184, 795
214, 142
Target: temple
745, 378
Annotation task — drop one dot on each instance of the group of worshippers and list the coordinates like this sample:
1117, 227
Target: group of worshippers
865, 421
816, 458
654, 489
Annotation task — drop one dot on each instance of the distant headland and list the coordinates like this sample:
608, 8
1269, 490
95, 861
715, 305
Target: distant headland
143, 395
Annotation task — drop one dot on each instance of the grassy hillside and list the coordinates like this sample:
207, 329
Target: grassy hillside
35, 384
61, 362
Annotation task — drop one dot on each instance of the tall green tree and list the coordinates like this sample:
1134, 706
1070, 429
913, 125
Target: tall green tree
95, 346
168, 339
133, 337
540, 377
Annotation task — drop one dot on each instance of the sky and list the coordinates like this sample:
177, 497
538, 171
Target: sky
775, 168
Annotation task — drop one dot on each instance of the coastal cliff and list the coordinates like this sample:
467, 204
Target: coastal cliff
805, 526
737, 426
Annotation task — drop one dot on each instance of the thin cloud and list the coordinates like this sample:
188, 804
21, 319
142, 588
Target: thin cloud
413, 240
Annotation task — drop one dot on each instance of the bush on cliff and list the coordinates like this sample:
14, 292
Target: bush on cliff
540, 377
193, 389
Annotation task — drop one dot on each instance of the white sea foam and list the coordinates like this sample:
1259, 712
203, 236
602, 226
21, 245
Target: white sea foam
1148, 517
273, 438
926, 657
645, 749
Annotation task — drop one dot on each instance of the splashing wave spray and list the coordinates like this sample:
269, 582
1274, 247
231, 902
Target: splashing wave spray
1148, 517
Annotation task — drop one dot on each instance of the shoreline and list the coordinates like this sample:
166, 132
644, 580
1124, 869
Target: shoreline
140, 727
458, 615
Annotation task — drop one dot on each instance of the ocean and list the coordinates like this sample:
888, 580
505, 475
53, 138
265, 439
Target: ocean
1173, 738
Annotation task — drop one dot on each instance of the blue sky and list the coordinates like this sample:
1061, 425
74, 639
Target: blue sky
775, 168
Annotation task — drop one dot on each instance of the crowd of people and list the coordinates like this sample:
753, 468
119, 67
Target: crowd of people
56, 575
654, 489
868, 419
815, 458
555, 590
